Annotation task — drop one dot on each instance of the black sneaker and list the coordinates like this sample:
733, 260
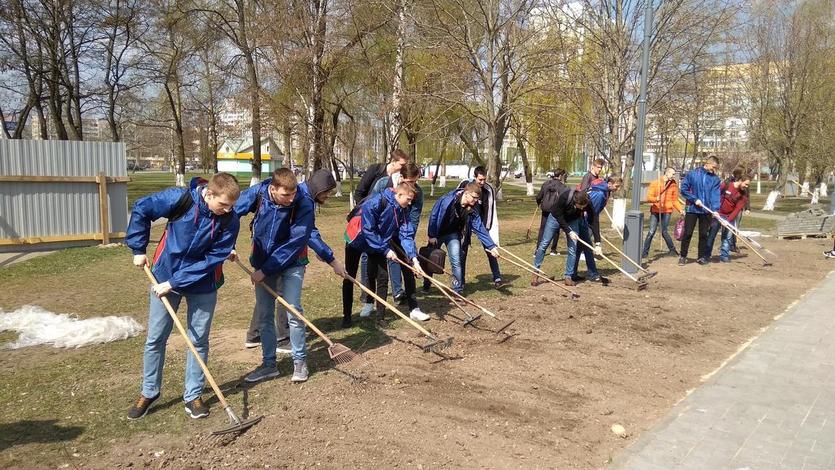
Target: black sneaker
682, 261
600, 279
140, 408
645, 255
672, 253
401, 298
197, 409
703, 261
347, 322
734, 249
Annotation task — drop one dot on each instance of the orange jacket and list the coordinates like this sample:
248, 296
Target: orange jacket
664, 197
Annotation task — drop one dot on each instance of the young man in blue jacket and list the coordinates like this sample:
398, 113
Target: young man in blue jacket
410, 173
370, 230
281, 229
700, 188
200, 235
453, 217
486, 208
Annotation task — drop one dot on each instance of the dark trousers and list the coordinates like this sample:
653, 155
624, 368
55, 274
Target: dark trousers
409, 284
377, 278
690, 221
544, 218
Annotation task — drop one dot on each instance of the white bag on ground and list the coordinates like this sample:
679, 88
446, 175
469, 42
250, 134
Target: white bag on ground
39, 326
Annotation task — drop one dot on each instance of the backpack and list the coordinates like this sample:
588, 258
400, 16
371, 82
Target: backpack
549, 199
354, 227
184, 204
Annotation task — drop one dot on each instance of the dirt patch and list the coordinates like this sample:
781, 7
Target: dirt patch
547, 397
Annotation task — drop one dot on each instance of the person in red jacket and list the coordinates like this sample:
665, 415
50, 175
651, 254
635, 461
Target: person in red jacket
734, 199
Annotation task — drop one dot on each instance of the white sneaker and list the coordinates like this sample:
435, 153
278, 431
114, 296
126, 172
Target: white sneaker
829, 254
417, 315
366, 310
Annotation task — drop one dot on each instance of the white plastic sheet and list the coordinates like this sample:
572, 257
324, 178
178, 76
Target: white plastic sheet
36, 325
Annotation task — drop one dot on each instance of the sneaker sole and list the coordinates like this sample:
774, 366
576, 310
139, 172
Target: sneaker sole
199, 416
251, 345
283, 351
298, 379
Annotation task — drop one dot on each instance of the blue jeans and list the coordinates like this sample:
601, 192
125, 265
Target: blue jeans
199, 312
725, 248
552, 227
654, 221
396, 277
288, 284
572, 260
453, 249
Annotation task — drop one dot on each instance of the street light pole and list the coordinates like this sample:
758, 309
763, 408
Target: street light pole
634, 227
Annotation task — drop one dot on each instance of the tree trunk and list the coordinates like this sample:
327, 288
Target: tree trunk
253, 88
396, 121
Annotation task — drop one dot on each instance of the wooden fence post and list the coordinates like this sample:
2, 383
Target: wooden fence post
104, 211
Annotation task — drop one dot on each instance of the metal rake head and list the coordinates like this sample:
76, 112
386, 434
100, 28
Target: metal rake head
470, 320
437, 344
341, 354
236, 425
504, 327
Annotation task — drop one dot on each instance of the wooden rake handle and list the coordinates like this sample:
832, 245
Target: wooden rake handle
535, 273
450, 290
530, 225
391, 307
624, 255
440, 287
287, 305
733, 229
190, 345
610, 261
519, 259
606, 210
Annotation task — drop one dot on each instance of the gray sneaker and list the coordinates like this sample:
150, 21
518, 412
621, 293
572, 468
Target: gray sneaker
300, 373
262, 373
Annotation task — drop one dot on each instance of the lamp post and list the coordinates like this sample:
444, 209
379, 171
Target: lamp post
634, 226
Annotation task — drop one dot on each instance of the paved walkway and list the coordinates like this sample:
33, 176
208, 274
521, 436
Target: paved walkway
772, 406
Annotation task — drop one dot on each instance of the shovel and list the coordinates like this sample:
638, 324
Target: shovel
435, 345
647, 273
640, 284
339, 353
237, 425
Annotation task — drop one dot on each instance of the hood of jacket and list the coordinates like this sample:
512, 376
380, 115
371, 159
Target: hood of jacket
319, 182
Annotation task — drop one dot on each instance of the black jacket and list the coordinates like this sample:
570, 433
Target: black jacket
363, 189
565, 212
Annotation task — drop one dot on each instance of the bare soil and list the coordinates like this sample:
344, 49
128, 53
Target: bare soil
545, 398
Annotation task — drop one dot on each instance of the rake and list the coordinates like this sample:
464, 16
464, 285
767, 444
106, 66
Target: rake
647, 273
470, 319
522, 264
449, 292
640, 284
435, 345
237, 425
339, 353
452, 291
530, 225
747, 240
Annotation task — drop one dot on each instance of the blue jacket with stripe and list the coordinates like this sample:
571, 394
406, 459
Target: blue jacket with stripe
279, 233
195, 244
379, 224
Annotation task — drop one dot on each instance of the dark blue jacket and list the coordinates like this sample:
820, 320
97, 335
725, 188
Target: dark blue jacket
279, 234
443, 213
417, 203
316, 243
379, 225
702, 185
195, 244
